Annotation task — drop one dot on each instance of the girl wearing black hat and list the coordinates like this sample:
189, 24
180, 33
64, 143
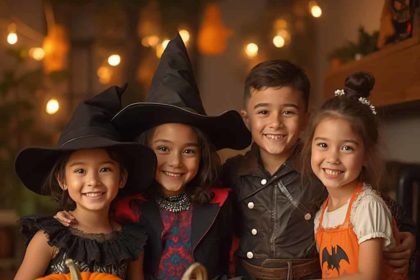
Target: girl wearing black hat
85, 173
187, 220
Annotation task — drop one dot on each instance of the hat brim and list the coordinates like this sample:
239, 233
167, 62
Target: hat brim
225, 131
34, 164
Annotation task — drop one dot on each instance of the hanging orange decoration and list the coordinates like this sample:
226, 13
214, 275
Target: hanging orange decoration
56, 48
213, 33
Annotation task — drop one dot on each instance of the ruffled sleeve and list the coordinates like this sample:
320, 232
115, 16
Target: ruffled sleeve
99, 249
372, 219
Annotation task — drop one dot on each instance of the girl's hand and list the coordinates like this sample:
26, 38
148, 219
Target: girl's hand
65, 218
399, 256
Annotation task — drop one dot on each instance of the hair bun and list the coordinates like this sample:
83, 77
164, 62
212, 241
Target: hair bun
359, 84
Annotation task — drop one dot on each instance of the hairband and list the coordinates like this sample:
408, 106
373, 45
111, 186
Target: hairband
363, 100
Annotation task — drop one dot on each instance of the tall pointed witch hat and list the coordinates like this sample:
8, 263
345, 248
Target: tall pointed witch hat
174, 98
89, 128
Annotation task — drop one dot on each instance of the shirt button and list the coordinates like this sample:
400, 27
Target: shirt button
251, 205
263, 181
254, 231
308, 216
249, 255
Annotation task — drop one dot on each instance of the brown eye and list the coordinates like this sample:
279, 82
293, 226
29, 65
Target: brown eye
162, 149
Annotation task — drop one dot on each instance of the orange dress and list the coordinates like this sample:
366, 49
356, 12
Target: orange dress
339, 247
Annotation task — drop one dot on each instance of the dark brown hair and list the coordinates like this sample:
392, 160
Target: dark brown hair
57, 174
361, 118
277, 73
208, 171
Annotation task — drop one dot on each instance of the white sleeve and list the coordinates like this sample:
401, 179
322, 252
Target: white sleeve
371, 218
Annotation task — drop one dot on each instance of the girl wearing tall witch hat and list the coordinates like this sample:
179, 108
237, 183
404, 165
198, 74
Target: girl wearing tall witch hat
187, 220
85, 172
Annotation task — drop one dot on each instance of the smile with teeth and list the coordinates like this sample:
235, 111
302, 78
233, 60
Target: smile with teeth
172, 174
93, 194
332, 172
274, 136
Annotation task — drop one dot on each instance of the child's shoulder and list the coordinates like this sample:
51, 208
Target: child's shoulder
234, 161
239, 161
369, 200
369, 194
31, 225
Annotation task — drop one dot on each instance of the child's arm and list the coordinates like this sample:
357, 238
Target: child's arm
135, 269
399, 256
37, 258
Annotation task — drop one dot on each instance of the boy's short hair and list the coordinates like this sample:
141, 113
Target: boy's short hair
277, 73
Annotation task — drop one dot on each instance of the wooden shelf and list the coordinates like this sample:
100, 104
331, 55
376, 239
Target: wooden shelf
396, 69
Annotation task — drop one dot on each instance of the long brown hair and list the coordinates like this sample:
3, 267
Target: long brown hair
362, 119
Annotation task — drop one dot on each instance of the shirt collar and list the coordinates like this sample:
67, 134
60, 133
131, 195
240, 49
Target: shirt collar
252, 163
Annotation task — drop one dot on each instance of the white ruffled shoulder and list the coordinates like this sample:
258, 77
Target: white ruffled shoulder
371, 217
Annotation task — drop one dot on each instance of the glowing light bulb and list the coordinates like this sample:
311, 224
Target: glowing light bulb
52, 106
165, 43
279, 41
251, 50
315, 9
114, 59
37, 53
160, 48
185, 35
12, 38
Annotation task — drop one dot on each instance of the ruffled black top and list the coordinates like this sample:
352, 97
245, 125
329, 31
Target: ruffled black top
106, 253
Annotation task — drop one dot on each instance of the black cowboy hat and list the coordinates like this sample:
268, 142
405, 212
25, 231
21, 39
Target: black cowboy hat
89, 128
174, 98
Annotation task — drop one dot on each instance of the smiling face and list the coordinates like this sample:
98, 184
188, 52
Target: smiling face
178, 156
337, 154
92, 179
275, 117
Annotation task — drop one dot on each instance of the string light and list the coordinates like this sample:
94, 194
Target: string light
279, 41
251, 50
315, 9
114, 60
161, 47
12, 36
52, 106
37, 53
185, 35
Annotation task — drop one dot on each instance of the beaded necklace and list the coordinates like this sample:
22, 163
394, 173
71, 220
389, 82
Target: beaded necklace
175, 203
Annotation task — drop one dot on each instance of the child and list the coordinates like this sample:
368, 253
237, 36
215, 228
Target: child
354, 224
187, 220
85, 172
275, 206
